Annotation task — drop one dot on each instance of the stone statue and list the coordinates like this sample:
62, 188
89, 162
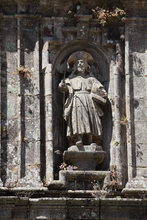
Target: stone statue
82, 109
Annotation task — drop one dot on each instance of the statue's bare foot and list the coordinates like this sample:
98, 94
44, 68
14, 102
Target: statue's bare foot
79, 143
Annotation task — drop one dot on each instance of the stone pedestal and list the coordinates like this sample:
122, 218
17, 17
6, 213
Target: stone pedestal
84, 158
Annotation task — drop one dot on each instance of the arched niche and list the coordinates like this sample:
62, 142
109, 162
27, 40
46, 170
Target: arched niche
101, 62
100, 68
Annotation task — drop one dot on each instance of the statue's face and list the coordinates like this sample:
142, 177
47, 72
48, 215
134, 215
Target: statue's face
81, 67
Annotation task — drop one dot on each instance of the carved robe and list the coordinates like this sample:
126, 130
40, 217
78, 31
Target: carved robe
81, 112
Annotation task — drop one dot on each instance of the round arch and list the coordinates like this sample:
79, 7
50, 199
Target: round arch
101, 61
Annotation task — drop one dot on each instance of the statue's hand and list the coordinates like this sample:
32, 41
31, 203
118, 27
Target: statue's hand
63, 86
102, 92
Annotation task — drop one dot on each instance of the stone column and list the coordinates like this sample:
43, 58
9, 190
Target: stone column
46, 81
10, 103
136, 95
30, 103
48, 124
0, 108
119, 143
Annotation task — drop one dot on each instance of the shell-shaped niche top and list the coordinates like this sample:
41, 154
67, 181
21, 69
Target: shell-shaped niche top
80, 55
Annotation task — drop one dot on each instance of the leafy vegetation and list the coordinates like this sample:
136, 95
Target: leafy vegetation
106, 12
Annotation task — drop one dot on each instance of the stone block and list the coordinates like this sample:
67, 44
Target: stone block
49, 124
29, 86
123, 209
31, 105
27, 181
139, 83
31, 129
142, 172
10, 130
10, 106
137, 37
82, 32
58, 29
141, 155
10, 162
48, 82
20, 212
140, 105
46, 208
6, 213
10, 83
48, 106
95, 35
83, 213
139, 135
32, 153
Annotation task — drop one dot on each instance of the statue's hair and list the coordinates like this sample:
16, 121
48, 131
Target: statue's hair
80, 55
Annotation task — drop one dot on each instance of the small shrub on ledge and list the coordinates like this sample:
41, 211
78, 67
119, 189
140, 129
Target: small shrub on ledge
64, 166
105, 17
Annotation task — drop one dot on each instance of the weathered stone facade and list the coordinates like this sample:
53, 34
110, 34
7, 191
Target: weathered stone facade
39, 36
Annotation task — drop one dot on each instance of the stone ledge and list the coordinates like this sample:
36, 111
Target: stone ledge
54, 193
138, 193
138, 20
71, 208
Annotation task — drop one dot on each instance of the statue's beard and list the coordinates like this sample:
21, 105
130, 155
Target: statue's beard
80, 70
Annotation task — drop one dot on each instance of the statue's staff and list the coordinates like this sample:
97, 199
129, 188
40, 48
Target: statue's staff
64, 90
63, 105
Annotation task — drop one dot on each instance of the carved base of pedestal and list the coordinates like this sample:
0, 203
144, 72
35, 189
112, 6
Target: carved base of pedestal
83, 158
85, 180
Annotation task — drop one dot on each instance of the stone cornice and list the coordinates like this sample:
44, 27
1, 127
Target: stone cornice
135, 3
141, 21
137, 19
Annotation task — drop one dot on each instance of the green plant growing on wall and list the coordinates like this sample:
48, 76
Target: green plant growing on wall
124, 120
115, 143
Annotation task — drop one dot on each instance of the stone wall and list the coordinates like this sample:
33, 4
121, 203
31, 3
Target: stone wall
32, 124
135, 69
37, 35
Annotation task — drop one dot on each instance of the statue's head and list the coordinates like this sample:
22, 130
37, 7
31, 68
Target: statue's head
81, 66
